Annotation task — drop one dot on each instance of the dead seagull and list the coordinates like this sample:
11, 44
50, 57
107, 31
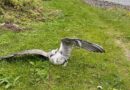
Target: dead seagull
60, 56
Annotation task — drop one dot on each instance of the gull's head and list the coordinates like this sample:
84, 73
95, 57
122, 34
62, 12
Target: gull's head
53, 52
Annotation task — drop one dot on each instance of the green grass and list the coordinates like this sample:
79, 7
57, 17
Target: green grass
85, 70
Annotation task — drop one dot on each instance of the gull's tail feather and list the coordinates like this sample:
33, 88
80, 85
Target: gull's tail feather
27, 52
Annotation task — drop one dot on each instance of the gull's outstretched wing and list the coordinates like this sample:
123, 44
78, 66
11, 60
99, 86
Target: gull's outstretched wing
67, 44
27, 52
88, 46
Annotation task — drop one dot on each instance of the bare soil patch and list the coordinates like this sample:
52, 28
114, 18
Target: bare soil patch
124, 48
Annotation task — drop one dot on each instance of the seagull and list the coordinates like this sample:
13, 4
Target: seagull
61, 55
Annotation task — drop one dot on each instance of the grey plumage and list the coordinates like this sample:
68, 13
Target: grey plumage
61, 55
26, 52
83, 44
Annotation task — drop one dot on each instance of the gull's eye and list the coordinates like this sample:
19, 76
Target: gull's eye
51, 55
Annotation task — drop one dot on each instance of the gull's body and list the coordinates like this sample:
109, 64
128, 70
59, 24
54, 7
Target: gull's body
60, 56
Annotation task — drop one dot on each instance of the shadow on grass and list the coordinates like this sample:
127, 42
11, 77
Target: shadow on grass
25, 58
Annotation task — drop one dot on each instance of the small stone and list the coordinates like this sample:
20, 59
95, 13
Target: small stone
99, 87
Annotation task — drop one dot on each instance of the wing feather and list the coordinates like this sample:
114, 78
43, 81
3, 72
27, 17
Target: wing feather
27, 52
83, 44
91, 46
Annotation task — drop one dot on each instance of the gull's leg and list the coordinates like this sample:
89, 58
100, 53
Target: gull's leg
65, 64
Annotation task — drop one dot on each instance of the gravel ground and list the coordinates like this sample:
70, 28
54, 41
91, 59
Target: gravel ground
106, 4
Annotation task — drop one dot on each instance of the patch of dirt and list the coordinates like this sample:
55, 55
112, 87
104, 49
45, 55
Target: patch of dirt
120, 41
124, 47
106, 4
11, 26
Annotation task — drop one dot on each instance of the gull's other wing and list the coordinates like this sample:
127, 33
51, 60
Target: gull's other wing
27, 52
68, 43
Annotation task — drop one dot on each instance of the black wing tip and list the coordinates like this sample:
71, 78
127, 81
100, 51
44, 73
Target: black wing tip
101, 51
98, 48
